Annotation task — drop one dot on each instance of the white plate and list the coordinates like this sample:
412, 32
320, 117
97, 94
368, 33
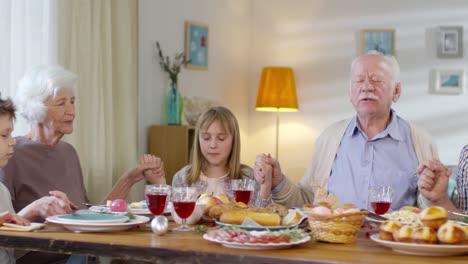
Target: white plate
378, 222
99, 227
106, 209
257, 246
422, 249
85, 218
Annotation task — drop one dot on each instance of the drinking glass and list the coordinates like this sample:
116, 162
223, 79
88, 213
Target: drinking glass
243, 189
156, 197
184, 200
380, 198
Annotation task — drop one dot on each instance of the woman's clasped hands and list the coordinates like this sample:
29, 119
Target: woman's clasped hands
148, 167
54, 204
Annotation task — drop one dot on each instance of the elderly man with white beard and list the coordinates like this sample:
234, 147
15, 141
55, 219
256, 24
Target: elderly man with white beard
374, 148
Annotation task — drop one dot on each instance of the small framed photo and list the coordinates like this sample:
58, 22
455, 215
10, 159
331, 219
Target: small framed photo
380, 40
450, 42
196, 45
449, 81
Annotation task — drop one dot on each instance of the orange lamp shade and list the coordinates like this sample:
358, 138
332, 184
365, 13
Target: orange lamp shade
277, 90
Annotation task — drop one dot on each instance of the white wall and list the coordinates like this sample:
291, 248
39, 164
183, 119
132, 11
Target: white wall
226, 78
318, 39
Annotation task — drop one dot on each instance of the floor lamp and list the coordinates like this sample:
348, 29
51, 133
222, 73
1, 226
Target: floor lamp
277, 93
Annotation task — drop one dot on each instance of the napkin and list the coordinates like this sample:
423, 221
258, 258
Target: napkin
15, 227
250, 222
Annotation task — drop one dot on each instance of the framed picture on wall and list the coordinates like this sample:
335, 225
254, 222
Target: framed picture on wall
449, 81
380, 40
450, 42
196, 45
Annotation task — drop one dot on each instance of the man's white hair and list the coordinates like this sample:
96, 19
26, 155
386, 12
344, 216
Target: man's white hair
390, 60
38, 84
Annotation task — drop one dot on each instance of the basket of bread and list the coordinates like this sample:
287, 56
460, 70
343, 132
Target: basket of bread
431, 227
334, 225
229, 212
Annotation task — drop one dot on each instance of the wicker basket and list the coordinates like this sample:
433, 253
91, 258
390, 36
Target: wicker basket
336, 228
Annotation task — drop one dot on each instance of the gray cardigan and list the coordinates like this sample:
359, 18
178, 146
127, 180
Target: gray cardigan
323, 156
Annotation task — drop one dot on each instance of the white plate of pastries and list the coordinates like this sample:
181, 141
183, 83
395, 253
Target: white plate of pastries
433, 235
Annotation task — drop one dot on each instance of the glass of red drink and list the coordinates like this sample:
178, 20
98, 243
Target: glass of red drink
156, 197
380, 198
184, 200
243, 189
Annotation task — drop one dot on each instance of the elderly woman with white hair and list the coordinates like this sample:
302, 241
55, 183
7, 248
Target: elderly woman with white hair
42, 161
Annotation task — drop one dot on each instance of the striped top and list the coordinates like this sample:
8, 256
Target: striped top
462, 180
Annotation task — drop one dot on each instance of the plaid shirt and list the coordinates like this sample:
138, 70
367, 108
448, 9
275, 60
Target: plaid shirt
462, 180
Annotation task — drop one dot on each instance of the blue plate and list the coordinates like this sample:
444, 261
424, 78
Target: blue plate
92, 218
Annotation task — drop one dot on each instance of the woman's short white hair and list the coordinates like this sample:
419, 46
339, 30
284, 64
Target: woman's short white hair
38, 84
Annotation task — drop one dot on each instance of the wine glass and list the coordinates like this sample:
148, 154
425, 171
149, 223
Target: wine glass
243, 189
156, 197
380, 198
183, 201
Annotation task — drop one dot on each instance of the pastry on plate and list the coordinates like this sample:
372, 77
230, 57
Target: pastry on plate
386, 229
278, 209
403, 234
292, 218
424, 235
433, 216
237, 217
465, 228
217, 210
451, 233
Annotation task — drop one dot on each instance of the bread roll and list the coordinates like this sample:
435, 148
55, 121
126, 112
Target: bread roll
424, 235
403, 234
278, 209
292, 218
433, 216
386, 230
451, 233
256, 209
238, 217
465, 228
217, 210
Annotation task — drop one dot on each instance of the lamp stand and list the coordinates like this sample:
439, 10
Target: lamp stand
277, 134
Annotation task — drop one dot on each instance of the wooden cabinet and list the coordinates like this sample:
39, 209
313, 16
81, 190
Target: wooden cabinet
173, 145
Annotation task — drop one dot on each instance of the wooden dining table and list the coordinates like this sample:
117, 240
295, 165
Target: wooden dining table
140, 243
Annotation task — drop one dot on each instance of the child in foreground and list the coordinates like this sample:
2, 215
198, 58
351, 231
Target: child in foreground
7, 115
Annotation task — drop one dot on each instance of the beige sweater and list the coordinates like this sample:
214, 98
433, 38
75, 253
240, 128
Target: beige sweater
322, 160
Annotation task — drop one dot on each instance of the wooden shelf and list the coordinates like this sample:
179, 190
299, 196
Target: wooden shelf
173, 145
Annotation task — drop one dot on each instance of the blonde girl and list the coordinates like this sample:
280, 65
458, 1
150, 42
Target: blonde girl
215, 158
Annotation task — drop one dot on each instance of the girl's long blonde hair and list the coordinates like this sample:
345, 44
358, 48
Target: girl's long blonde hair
228, 122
